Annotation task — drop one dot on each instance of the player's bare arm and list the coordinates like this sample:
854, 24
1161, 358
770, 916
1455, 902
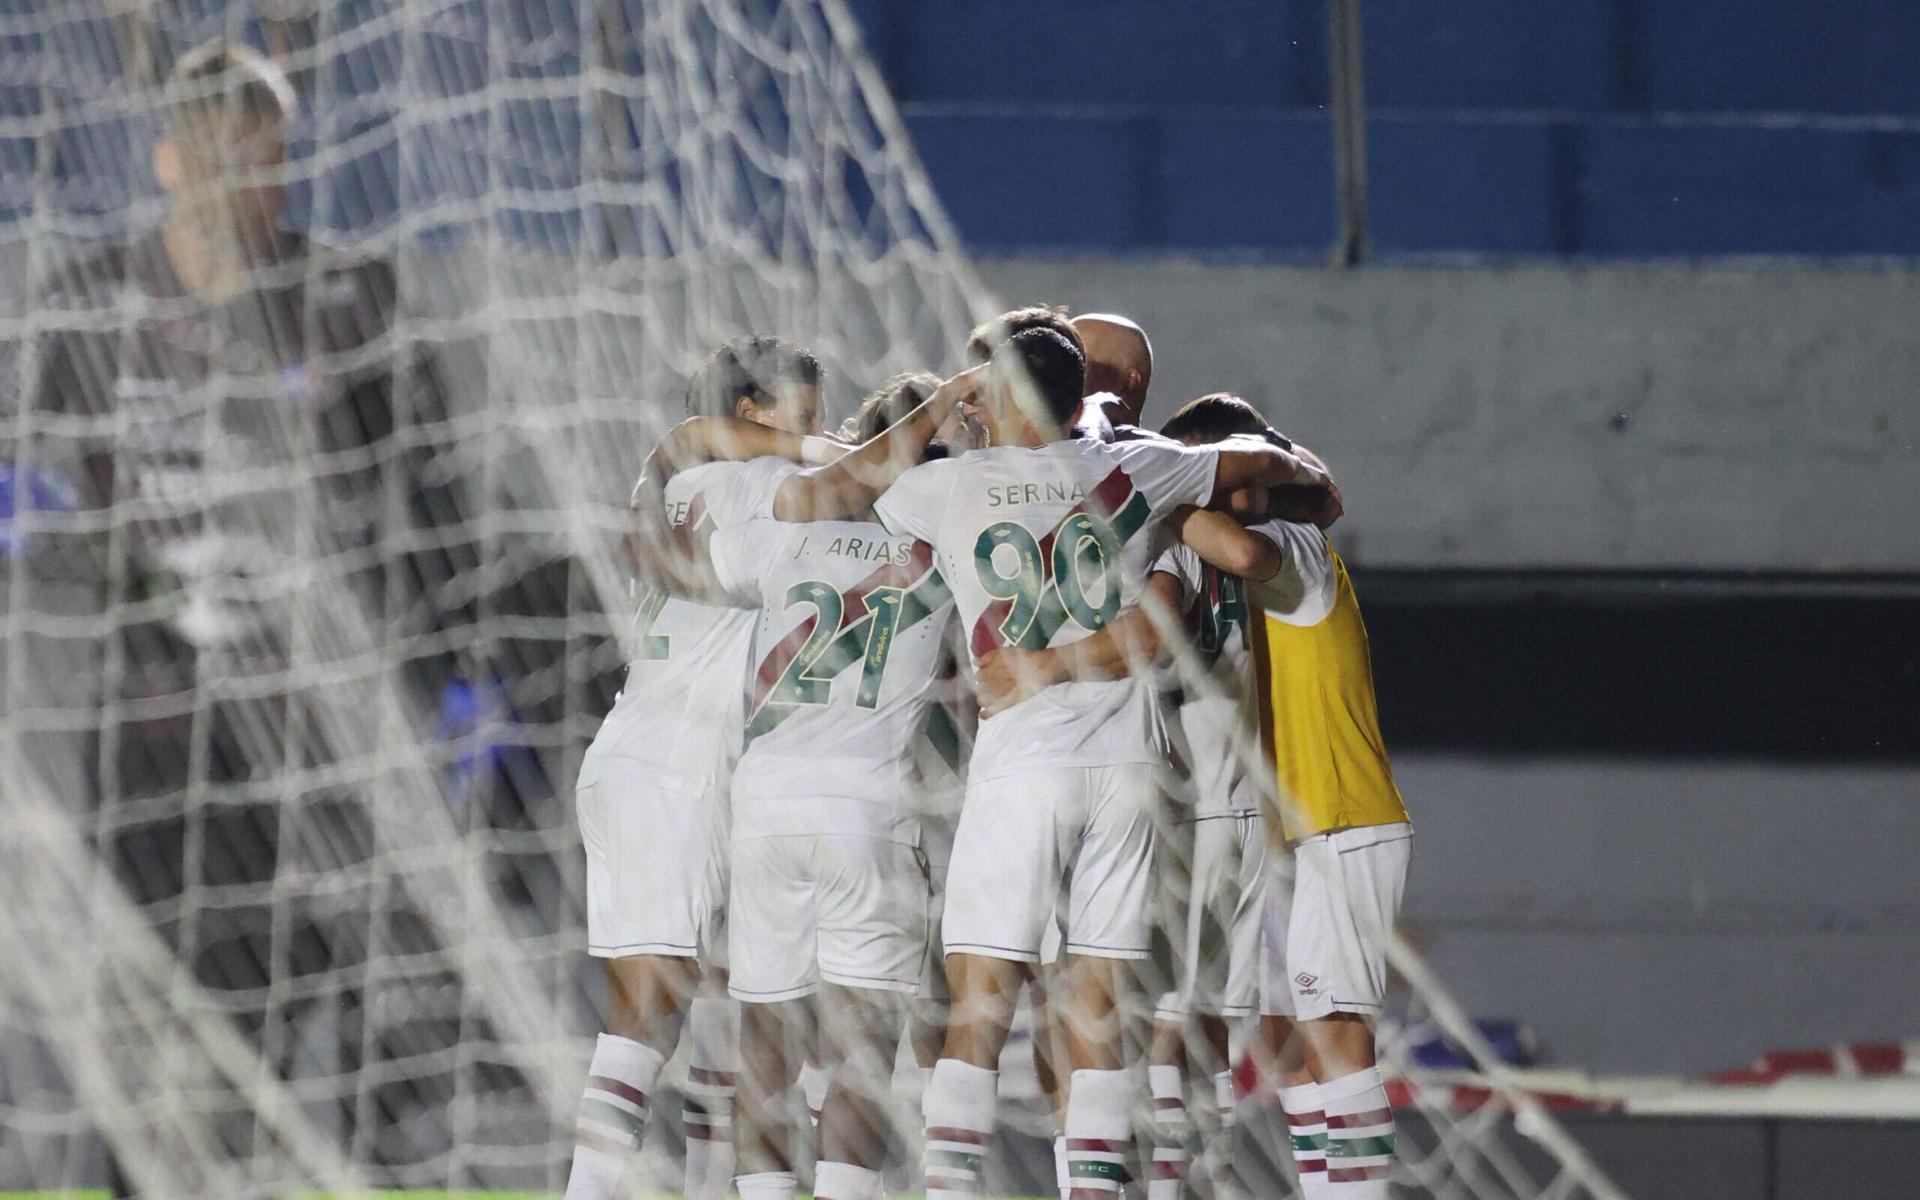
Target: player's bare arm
1320, 506
662, 556
1223, 542
1255, 462
850, 484
698, 440
1138, 637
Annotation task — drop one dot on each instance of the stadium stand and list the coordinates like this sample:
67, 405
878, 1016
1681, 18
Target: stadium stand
1585, 129
1589, 129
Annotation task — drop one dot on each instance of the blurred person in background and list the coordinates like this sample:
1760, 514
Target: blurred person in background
223, 408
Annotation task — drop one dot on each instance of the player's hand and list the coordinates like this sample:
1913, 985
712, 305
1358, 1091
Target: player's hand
1319, 506
961, 431
964, 389
1003, 678
1308, 473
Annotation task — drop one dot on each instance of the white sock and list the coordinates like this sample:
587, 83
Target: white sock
959, 1110
613, 1115
1172, 1131
1099, 1133
767, 1185
1359, 1135
1307, 1128
844, 1181
814, 1081
1061, 1179
713, 1056
1217, 1153
1226, 1098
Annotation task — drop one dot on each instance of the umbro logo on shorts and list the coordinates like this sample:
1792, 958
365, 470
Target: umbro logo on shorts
1306, 981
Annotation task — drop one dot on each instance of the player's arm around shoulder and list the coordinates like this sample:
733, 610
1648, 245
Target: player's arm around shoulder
1303, 590
1245, 461
916, 503
1135, 641
1224, 543
678, 560
851, 484
1318, 506
699, 440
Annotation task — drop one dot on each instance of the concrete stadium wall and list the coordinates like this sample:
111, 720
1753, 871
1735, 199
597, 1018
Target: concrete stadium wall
1653, 916
1763, 417
1669, 917
1550, 416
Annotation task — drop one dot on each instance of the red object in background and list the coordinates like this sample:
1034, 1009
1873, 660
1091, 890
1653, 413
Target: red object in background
1859, 1060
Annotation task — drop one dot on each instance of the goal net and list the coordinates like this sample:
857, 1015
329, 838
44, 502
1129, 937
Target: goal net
310, 597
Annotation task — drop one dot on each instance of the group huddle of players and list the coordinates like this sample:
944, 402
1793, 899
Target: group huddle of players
983, 698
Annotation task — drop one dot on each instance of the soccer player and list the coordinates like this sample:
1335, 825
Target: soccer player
1044, 540
1049, 1042
945, 742
1214, 922
828, 912
1332, 901
652, 796
1216, 927
1341, 814
651, 800
1119, 371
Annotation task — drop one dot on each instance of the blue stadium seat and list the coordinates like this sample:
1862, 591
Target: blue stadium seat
102, 166
883, 29
1720, 189
1837, 56
1491, 54
1117, 52
1259, 183
1437, 185
1014, 182
19, 179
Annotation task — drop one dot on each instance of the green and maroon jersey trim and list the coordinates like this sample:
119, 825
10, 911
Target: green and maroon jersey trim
1117, 501
924, 591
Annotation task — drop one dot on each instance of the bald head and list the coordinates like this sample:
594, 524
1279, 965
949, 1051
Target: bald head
1119, 358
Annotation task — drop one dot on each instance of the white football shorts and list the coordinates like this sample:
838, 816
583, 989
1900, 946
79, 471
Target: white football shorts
656, 863
1214, 926
1076, 839
1326, 934
933, 972
839, 908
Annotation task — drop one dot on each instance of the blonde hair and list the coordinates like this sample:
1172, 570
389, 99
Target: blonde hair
888, 403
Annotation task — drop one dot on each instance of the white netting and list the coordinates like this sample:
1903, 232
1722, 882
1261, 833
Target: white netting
311, 599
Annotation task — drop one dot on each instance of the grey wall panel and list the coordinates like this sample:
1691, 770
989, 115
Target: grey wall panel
1630, 416
1677, 917
1826, 1160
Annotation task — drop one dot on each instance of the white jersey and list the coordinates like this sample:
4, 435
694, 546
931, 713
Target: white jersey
847, 645
1220, 709
682, 709
1043, 547
1303, 590
940, 755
